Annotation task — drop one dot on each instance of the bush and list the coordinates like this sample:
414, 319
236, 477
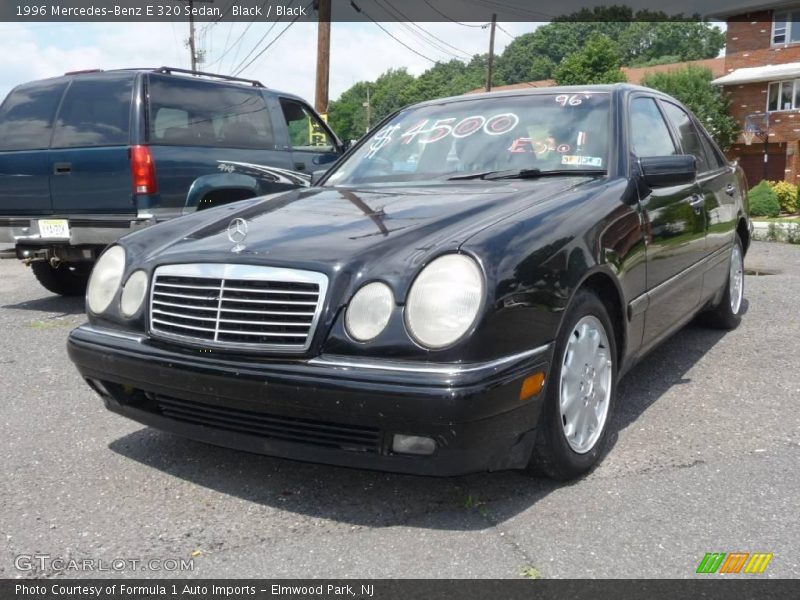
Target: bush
787, 195
763, 201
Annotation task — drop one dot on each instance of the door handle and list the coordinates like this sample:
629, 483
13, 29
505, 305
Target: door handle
300, 166
730, 190
62, 168
697, 202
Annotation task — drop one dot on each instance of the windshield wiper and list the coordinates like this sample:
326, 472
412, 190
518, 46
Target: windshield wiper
525, 174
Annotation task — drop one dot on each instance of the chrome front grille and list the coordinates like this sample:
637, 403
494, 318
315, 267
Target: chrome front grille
236, 306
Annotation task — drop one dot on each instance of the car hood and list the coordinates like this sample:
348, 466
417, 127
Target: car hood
327, 228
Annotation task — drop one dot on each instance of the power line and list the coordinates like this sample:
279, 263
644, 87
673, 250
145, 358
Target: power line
513, 37
235, 44
255, 47
510, 7
227, 39
402, 43
277, 37
408, 23
451, 19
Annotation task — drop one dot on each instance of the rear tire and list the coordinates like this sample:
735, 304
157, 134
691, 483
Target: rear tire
580, 396
728, 313
65, 280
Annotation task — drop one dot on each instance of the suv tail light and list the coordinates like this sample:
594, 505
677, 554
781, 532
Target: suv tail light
143, 170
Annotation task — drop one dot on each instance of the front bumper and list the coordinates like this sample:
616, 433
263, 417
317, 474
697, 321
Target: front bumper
85, 230
324, 409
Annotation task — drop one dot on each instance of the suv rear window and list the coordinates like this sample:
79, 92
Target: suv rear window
185, 112
26, 116
95, 112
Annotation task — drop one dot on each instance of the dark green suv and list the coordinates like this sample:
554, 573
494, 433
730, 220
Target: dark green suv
89, 156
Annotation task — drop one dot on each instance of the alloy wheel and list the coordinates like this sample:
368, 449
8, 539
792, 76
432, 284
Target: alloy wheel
585, 386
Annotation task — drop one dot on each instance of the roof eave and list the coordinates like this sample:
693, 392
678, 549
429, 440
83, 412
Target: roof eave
749, 7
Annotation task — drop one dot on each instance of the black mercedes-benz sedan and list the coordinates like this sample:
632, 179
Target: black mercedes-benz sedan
460, 292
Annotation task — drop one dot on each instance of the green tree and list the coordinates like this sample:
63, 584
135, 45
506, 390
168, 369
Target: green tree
451, 79
347, 115
692, 86
597, 62
392, 90
644, 42
640, 38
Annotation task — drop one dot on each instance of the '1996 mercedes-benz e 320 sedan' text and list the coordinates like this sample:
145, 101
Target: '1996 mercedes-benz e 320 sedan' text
460, 292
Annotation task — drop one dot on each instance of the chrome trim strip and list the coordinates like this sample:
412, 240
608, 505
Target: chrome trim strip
408, 366
227, 271
131, 337
689, 271
642, 301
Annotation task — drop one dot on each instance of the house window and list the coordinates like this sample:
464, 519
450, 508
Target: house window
786, 27
783, 95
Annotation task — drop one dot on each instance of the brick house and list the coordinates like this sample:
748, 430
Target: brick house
762, 66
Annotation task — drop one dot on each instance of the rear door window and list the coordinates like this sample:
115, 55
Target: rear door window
26, 116
716, 159
186, 112
688, 135
95, 112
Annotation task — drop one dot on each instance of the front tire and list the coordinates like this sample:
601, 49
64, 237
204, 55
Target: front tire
580, 396
728, 313
64, 280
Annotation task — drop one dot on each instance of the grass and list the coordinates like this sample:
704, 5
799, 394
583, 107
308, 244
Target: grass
778, 219
530, 573
47, 324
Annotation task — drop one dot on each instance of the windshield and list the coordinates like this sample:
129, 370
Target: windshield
546, 132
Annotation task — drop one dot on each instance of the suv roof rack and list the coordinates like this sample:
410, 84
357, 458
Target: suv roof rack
167, 70
82, 71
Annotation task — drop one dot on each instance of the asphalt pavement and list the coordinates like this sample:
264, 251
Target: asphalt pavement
704, 457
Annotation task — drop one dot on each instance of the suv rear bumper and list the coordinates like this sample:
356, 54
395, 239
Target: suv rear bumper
84, 230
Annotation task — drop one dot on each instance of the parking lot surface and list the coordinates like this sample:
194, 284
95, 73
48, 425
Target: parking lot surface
704, 457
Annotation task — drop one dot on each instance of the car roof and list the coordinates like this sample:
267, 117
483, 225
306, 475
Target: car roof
615, 88
213, 78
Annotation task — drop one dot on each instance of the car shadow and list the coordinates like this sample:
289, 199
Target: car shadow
374, 499
663, 368
61, 305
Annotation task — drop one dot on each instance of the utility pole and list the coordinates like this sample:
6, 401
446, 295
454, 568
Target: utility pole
490, 62
323, 55
192, 51
368, 106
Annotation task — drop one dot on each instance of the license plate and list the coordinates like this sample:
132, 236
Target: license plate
54, 228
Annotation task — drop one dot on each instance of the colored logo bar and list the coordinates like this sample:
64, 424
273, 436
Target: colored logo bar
734, 562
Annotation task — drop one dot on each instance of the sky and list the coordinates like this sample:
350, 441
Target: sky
359, 51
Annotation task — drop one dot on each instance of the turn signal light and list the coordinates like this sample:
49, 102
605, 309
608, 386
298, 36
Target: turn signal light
531, 385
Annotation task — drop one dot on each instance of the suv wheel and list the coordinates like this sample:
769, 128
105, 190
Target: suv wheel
65, 280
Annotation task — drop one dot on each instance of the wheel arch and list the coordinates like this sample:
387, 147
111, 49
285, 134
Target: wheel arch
217, 187
744, 233
605, 286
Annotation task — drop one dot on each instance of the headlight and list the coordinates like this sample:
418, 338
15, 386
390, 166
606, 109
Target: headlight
444, 300
133, 293
105, 279
369, 311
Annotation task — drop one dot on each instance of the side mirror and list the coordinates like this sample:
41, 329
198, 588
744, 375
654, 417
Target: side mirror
665, 171
347, 144
317, 175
